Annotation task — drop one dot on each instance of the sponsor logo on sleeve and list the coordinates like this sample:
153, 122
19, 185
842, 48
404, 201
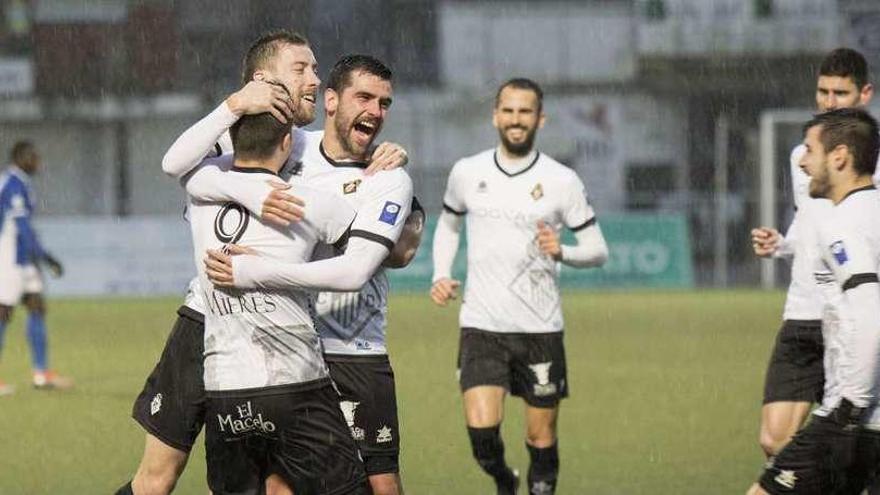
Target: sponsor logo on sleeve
839, 252
390, 213
786, 478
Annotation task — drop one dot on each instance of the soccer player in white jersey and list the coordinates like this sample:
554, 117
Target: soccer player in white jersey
839, 449
514, 199
170, 407
352, 322
21, 253
794, 378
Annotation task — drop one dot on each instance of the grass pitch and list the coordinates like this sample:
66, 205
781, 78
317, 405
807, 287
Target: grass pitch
665, 396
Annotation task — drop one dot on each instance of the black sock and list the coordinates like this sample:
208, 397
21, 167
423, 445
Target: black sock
488, 449
543, 470
125, 489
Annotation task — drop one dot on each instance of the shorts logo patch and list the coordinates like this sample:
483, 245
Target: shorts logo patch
786, 479
839, 252
541, 488
389, 213
244, 421
542, 374
155, 404
348, 409
383, 435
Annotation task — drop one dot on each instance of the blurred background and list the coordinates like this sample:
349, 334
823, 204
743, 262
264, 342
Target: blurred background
679, 115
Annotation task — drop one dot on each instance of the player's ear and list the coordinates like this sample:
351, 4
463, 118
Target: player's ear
495, 117
331, 101
286, 143
542, 118
866, 94
259, 75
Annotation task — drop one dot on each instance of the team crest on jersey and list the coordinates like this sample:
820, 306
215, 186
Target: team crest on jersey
839, 252
351, 187
389, 213
481, 187
155, 404
537, 191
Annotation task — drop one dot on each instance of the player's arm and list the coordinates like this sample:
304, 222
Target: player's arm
372, 235
199, 140
590, 249
855, 266
447, 234
410, 238
29, 241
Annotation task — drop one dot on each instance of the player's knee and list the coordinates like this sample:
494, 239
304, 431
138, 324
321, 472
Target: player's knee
772, 441
541, 436
385, 484
275, 485
35, 304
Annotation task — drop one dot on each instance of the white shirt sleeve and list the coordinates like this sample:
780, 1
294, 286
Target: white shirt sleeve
346, 273
199, 141
453, 199
855, 267
446, 238
577, 213
386, 199
590, 250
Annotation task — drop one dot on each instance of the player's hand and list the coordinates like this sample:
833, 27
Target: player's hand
548, 241
218, 264
53, 265
259, 97
443, 290
387, 156
765, 241
281, 208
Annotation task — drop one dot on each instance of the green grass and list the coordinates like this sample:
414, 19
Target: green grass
665, 396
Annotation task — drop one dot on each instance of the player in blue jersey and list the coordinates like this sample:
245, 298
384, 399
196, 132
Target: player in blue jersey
21, 259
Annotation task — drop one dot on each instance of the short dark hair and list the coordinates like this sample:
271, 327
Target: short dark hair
264, 48
851, 127
846, 62
340, 75
255, 137
521, 83
19, 149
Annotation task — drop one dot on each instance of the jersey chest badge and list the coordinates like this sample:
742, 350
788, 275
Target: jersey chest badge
351, 187
537, 191
839, 252
481, 187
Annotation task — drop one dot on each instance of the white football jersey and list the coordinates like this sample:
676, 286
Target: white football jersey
511, 286
355, 322
848, 247
262, 338
803, 301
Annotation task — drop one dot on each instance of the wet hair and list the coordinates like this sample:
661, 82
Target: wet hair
340, 75
853, 128
255, 137
264, 49
846, 62
522, 83
19, 150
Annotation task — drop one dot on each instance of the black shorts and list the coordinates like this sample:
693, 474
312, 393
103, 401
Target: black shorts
171, 405
369, 404
294, 431
531, 366
812, 462
796, 372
